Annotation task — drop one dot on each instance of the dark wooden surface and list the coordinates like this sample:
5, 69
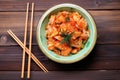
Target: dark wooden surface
102, 64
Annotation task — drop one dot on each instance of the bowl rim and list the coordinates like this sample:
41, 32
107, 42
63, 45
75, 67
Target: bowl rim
71, 6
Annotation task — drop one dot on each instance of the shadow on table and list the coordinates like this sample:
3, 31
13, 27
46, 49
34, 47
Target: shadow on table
87, 63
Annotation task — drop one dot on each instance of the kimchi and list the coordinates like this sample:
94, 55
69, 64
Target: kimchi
66, 33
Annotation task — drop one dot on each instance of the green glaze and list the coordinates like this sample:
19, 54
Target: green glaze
41, 36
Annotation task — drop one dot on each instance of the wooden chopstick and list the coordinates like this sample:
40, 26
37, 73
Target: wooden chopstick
27, 50
25, 35
30, 42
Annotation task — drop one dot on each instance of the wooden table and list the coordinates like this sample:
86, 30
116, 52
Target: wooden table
102, 64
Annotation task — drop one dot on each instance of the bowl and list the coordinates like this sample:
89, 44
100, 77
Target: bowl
42, 41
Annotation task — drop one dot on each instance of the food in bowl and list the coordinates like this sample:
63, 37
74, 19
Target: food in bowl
66, 32
43, 41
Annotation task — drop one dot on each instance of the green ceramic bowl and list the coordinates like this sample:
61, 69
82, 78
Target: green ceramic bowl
42, 41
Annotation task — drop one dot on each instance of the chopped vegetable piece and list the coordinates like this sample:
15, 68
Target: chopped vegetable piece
66, 33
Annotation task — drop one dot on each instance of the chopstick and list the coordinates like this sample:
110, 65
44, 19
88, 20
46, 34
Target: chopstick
30, 42
25, 35
27, 51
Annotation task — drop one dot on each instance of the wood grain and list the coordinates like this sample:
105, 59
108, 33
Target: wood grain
68, 75
15, 5
103, 63
107, 26
102, 57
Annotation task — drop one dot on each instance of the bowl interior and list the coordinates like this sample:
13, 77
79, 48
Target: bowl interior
42, 41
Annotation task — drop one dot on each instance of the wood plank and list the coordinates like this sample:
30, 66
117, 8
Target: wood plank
107, 25
64, 75
15, 5
102, 57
